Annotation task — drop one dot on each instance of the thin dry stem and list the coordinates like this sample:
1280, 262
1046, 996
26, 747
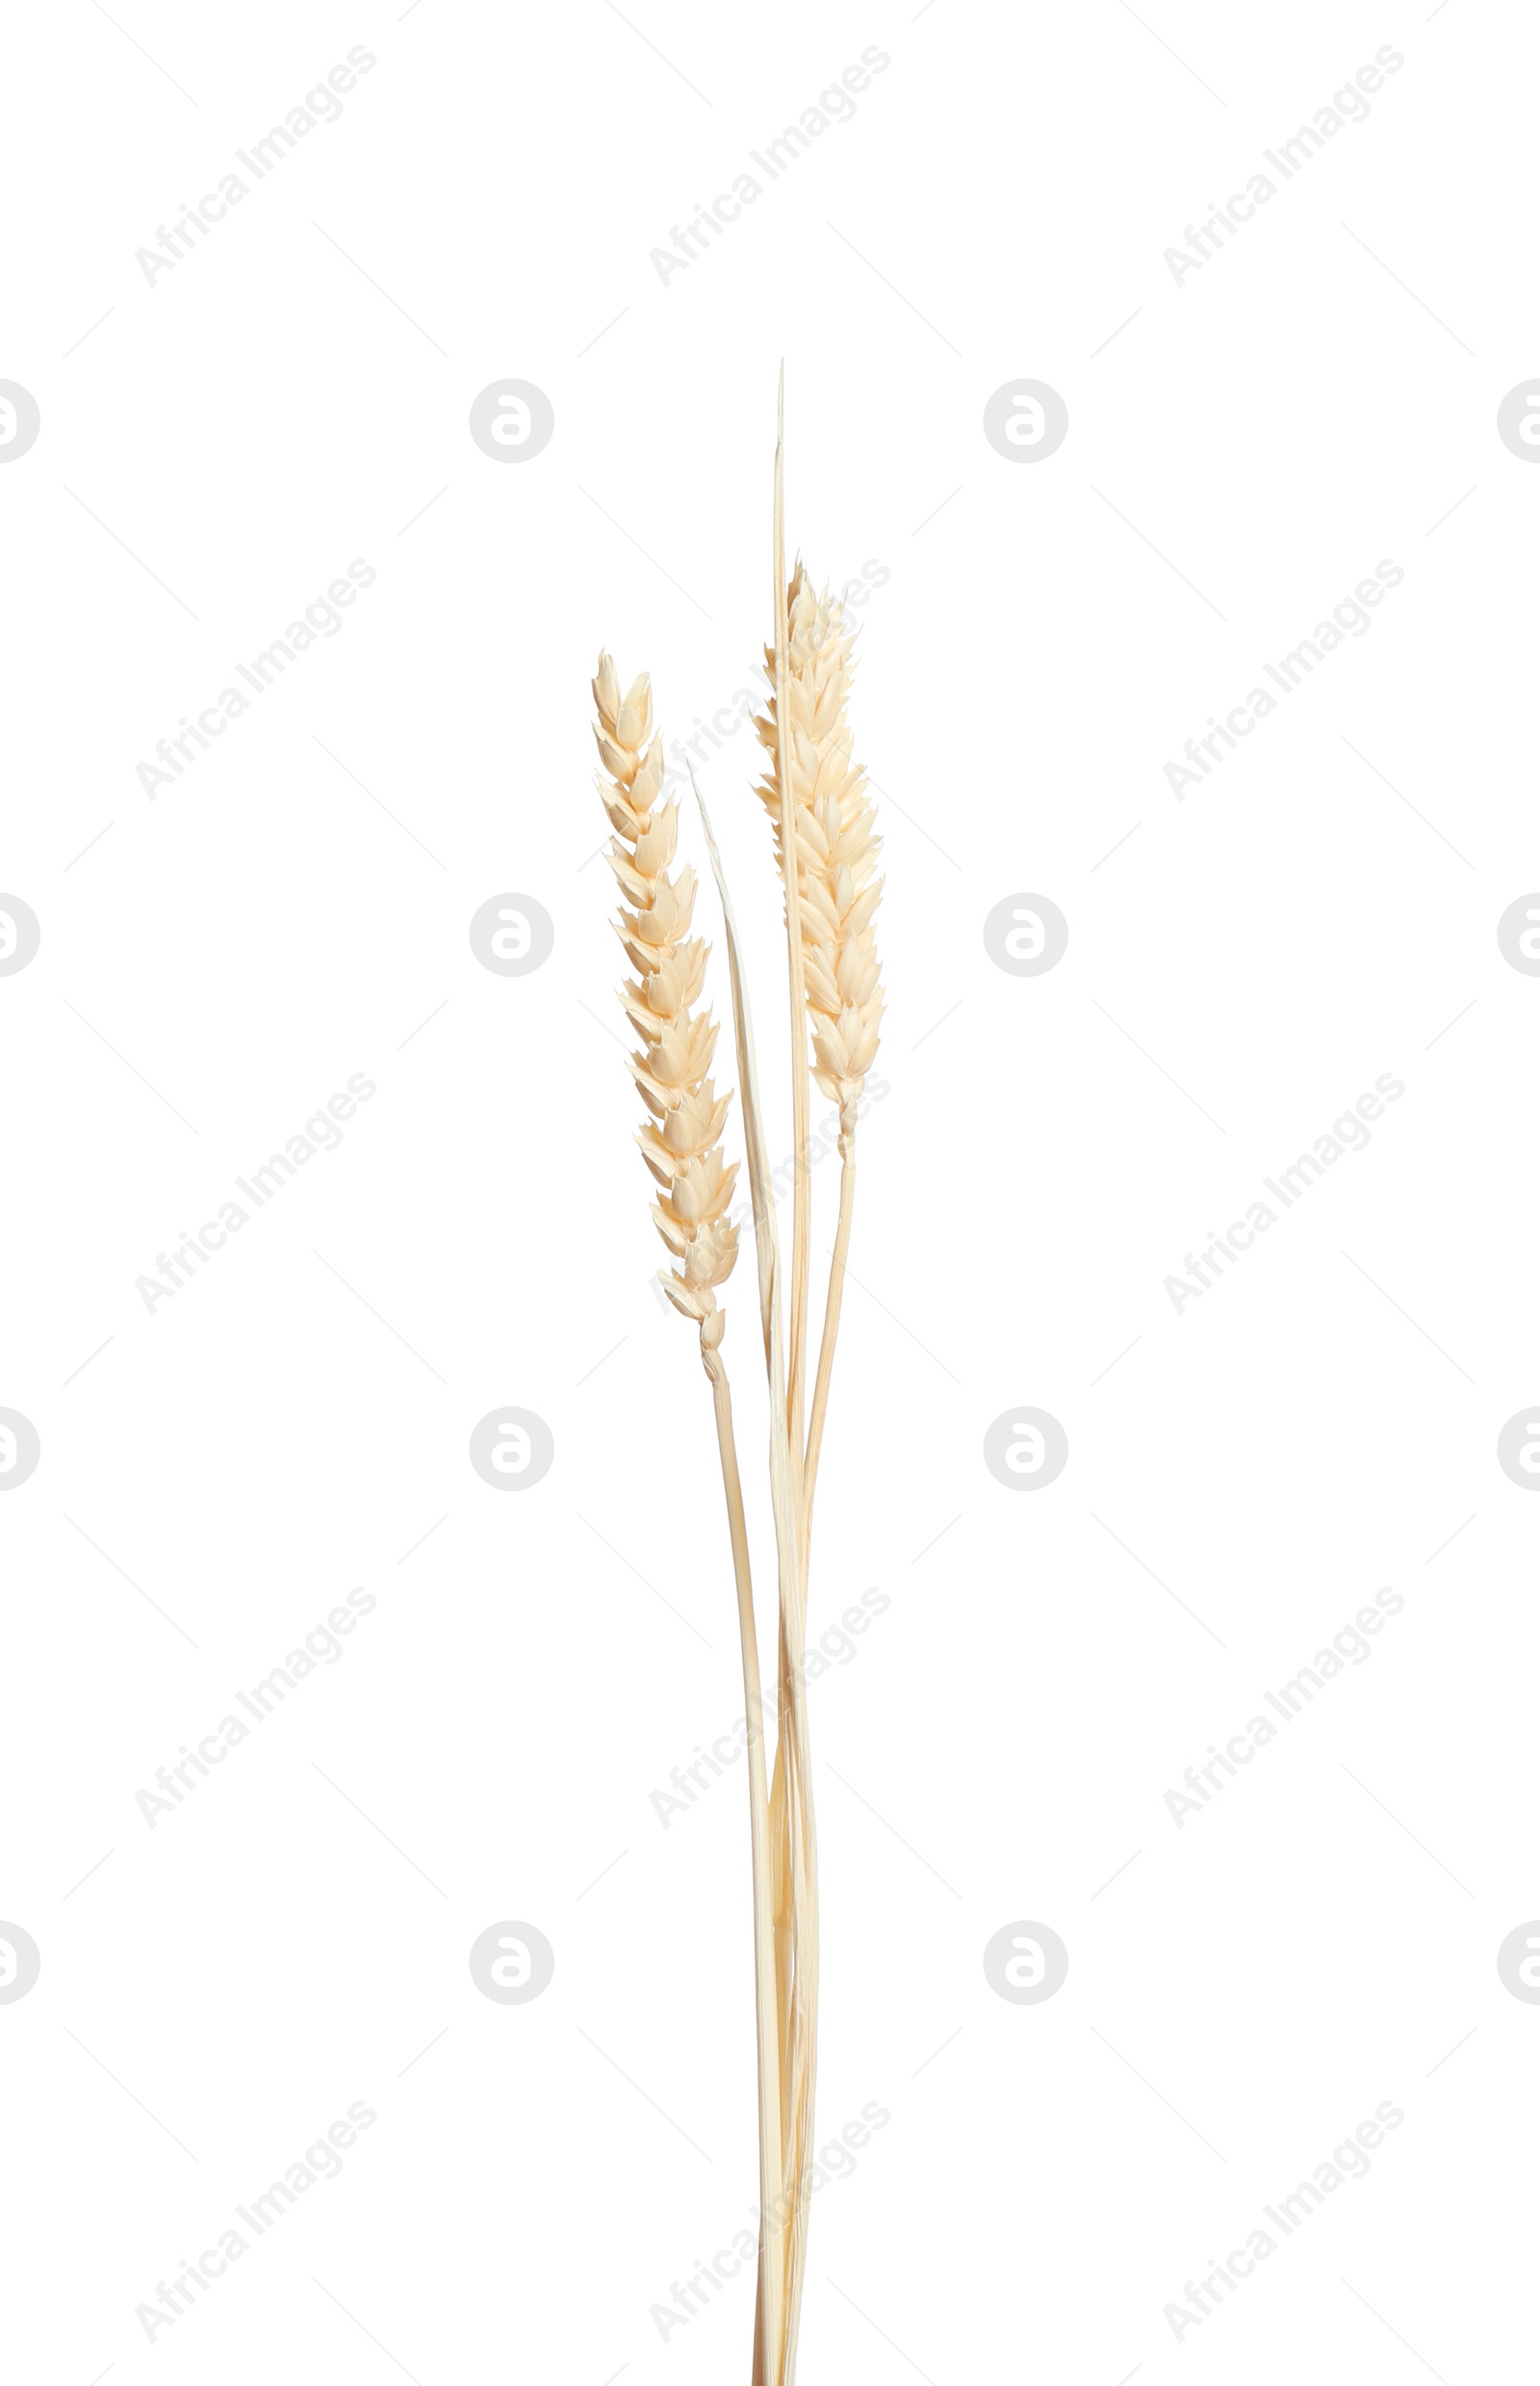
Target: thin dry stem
795, 1766
826, 1348
770, 2303
787, 1898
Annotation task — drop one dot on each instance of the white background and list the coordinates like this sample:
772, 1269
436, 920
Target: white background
1243, 448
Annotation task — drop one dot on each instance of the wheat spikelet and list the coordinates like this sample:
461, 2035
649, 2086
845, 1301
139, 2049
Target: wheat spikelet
837, 847
680, 1140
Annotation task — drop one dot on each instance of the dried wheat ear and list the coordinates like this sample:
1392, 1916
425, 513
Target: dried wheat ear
682, 1139
838, 888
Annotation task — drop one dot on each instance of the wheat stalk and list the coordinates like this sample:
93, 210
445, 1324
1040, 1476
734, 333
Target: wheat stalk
837, 895
680, 1143
817, 803
793, 1831
826, 853
776, 2220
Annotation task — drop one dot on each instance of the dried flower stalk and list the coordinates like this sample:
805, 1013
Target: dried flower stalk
825, 850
